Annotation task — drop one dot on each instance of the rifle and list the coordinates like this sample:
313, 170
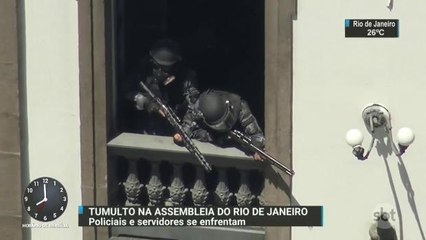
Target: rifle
175, 122
246, 141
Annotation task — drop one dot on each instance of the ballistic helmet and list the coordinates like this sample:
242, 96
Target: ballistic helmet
166, 52
217, 111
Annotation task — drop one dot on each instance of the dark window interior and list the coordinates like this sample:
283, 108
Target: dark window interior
223, 41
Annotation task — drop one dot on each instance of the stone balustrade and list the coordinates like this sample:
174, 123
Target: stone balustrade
152, 170
146, 170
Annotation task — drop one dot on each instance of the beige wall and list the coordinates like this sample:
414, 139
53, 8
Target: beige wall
52, 77
334, 78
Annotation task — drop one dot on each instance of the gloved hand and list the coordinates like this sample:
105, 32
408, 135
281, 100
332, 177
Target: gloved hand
152, 107
257, 157
258, 140
140, 101
178, 139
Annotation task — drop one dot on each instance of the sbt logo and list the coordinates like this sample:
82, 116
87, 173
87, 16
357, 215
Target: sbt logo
384, 215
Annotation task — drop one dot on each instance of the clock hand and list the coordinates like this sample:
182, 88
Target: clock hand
44, 198
42, 201
44, 188
41, 207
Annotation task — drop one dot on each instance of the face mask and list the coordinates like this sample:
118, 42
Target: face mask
161, 73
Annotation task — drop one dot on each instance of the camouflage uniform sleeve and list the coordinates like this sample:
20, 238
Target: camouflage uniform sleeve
135, 93
250, 126
148, 102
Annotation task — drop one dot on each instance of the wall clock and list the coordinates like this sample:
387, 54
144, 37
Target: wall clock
45, 199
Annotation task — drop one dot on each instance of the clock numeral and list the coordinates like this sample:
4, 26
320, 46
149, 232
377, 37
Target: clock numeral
65, 198
30, 190
45, 218
36, 183
54, 215
26, 199
61, 189
45, 180
62, 208
54, 183
35, 215
28, 209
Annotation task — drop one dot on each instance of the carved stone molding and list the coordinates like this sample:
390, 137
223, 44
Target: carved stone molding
199, 190
154, 187
177, 188
244, 195
222, 193
132, 185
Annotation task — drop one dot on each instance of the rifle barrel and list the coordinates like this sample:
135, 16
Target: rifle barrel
244, 140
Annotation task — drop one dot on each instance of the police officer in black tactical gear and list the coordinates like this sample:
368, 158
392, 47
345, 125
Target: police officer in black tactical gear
218, 112
164, 73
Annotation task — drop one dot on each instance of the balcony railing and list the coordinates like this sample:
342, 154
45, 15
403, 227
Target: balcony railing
147, 170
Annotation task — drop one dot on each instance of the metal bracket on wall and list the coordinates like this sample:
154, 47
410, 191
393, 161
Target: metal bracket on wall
376, 116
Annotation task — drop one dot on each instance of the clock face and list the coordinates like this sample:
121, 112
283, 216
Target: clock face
45, 199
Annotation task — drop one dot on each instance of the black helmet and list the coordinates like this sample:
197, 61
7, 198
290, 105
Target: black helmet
166, 52
218, 112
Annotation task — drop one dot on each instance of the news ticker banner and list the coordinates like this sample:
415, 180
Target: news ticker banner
371, 28
200, 216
